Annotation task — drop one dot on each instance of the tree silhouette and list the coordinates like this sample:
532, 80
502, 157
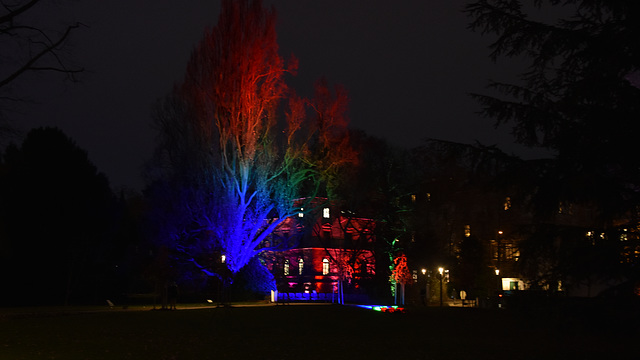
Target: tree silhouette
578, 97
56, 211
574, 98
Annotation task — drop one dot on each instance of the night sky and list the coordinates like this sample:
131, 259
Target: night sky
407, 66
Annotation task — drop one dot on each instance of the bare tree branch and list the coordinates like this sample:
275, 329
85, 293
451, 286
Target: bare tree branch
8, 18
50, 49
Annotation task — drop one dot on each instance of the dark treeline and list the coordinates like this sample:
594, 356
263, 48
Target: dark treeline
68, 239
62, 230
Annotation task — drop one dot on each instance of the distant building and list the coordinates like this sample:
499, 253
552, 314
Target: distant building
329, 251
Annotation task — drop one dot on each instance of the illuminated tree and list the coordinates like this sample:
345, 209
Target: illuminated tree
330, 147
234, 167
233, 84
400, 274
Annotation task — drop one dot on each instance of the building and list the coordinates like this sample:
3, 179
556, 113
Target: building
329, 253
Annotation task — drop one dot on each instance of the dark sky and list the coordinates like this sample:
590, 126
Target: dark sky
407, 65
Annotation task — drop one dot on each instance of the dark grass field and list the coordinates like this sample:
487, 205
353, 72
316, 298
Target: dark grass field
312, 332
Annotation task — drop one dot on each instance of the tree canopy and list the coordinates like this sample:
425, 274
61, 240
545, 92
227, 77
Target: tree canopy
232, 161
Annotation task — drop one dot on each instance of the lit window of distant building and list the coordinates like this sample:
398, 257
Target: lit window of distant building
413, 198
467, 230
325, 266
507, 203
565, 209
300, 266
286, 267
325, 213
624, 236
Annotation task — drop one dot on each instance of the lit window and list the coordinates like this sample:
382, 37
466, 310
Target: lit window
286, 267
325, 213
325, 266
507, 203
467, 230
565, 209
413, 198
301, 214
300, 266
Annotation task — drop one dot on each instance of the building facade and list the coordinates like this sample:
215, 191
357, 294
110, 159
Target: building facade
330, 253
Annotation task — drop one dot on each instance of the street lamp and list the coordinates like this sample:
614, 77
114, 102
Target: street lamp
425, 298
441, 272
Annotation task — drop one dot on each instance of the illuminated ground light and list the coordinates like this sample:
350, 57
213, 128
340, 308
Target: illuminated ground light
384, 308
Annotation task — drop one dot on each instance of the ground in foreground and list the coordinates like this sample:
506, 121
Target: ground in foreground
311, 332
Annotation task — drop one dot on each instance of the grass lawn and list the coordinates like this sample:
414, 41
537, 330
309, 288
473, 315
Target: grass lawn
309, 332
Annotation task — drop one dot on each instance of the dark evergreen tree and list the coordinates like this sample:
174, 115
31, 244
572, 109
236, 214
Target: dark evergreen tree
579, 98
576, 97
56, 217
